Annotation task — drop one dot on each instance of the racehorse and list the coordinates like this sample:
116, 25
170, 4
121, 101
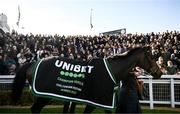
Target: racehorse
121, 65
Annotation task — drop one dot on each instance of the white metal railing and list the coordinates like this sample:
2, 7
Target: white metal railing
155, 87
6, 79
165, 90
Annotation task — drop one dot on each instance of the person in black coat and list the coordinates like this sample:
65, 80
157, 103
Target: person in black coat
128, 99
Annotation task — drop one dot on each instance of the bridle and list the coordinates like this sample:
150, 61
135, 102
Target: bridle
152, 69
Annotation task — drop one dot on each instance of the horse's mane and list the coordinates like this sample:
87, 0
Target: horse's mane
127, 53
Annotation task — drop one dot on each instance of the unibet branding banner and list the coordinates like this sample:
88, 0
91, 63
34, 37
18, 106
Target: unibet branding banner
88, 82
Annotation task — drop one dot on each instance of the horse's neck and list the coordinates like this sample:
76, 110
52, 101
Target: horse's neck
120, 67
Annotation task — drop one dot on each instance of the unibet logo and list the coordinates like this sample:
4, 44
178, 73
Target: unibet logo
70, 74
72, 67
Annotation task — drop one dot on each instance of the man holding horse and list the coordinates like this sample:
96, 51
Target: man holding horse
128, 99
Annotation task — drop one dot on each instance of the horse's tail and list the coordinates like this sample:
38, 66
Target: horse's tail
19, 82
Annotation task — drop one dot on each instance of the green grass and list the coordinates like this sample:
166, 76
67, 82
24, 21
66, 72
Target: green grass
79, 110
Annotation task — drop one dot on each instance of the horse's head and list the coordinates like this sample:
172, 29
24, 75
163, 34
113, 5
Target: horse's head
148, 63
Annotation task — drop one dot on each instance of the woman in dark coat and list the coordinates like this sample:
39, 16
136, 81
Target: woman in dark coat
128, 99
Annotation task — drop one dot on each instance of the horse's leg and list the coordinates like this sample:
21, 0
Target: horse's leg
72, 107
39, 103
89, 109
69, 107
66, 107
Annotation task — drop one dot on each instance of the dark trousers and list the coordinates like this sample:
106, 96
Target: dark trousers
128, 101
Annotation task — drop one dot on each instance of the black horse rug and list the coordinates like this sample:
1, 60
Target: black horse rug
89, 82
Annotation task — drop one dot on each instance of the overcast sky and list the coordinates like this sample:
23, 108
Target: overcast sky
72, 17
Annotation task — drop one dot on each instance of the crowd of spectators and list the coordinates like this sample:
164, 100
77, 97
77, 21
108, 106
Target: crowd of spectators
18, 49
